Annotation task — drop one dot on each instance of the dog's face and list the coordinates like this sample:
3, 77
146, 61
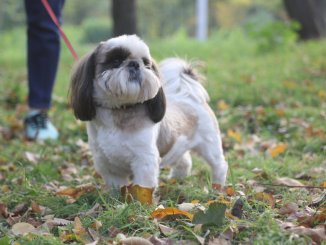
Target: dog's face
118, 73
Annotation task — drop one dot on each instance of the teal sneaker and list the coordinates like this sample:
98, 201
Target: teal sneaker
39, 127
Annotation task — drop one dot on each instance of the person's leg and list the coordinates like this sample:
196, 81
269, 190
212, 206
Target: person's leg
43, 49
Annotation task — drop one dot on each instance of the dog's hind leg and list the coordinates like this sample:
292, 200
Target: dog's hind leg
182, 167
212, 153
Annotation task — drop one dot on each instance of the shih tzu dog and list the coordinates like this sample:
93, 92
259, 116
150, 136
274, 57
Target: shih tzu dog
142, 117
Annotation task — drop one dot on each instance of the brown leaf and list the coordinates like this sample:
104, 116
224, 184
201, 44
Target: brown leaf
20, 209
287, 182
219, 241
163, 241
316, 201
36, 208
53, 222
4, 210
237, 208
317, 234
318, 217
162, 213
76, 192
113, 231
288, 208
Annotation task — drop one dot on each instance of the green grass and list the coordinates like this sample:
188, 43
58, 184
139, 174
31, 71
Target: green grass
254, 85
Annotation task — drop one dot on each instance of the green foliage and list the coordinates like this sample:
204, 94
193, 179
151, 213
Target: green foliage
96, 30
214, 215
11, 14
273, 34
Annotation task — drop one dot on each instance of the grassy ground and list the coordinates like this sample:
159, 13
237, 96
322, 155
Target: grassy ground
271, 107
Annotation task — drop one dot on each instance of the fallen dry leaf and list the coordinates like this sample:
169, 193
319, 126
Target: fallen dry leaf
186, 206
277, 150
162, 213
166, 230
315, 202
4, 210
234, 135
317, 234
142, 194
22, 228
75, 193
20, 209
80, 232
237, 208
53, 222
222, 106
134, 241
166, 241
229, 190
266, 198
314, 219
287, 182
288, 208
32, 157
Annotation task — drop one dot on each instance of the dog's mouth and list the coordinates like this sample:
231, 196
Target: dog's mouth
135, 76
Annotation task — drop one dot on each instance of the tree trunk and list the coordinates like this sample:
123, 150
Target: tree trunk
310, 15
124, 17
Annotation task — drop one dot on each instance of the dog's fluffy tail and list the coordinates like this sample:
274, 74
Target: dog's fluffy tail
181, 80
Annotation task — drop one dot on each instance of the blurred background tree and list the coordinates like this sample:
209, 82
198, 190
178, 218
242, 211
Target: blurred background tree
157, 19
124, 17
311, 16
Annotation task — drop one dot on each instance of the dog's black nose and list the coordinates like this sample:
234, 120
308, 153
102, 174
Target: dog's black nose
133, 64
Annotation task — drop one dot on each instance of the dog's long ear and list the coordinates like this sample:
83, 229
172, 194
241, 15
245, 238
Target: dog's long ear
156, 107
82, 87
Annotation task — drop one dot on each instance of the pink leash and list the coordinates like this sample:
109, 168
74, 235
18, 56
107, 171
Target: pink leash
63, 35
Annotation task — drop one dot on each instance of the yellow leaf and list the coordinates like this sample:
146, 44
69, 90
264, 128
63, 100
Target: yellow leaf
221, 105
278, 149
80, 232
162, 213
5, 188
266, 198
324, 184
221, 200
322, 94
142, 194
234, 135
289, 84
195, 201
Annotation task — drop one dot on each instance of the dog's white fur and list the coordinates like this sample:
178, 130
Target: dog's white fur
126, 143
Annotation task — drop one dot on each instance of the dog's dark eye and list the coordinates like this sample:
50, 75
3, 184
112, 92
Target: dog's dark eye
115, 63
146, 62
